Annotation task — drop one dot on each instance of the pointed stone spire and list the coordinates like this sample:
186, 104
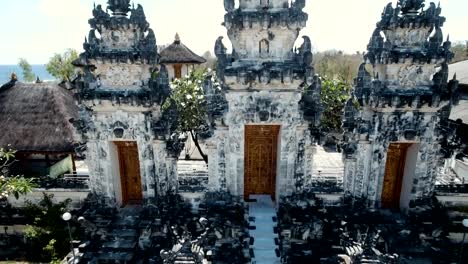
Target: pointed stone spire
177, 38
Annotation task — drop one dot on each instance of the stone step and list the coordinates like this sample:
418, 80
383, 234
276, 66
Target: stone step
262, 211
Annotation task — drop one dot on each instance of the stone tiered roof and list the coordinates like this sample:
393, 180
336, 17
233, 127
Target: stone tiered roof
177, 52
35, 117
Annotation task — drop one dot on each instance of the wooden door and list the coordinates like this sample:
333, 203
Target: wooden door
178, 71
129, 172
261, 143
394, 173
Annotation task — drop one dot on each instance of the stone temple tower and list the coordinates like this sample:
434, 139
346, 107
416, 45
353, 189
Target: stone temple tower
262, 141
393, 140
120, 90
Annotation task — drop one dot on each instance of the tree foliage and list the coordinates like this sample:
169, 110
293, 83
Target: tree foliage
211, 61
47, 229
28, 74
460, 51
15, 186
60, 65
335, 94
338, 65
188, 97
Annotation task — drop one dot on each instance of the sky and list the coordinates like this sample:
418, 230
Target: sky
36, 29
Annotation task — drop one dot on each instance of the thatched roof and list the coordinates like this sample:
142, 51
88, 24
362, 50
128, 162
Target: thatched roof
35, 117
179, 53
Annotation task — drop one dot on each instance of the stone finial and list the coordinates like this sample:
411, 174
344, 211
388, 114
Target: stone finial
177, 38
119, 7
13, 77
410, 6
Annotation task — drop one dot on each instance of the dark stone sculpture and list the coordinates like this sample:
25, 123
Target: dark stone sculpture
119, 7
299, 4
229, 5
220, 52
410, 6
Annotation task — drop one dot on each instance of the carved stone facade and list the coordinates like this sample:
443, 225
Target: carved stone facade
265, 82
120, 90
402, 100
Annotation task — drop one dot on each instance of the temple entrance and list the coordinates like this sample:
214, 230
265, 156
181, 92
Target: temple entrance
130, 178
394, 175
261, 145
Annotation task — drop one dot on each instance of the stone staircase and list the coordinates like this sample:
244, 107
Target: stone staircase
262, 211
192, 175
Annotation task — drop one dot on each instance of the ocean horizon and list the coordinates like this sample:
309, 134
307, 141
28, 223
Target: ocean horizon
39, 70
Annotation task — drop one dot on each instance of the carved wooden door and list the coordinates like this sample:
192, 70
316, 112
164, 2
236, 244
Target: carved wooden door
261, 143
130, 172
394, 173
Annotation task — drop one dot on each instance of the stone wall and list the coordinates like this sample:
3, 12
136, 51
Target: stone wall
157, 169
405, 99
365, 169
266, 107
121, 75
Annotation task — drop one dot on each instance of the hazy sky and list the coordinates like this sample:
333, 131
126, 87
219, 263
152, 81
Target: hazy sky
36, 29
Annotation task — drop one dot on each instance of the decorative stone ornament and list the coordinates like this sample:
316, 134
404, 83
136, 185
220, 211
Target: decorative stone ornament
119, 7
410, 6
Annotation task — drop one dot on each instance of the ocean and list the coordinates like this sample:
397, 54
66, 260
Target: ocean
38, 70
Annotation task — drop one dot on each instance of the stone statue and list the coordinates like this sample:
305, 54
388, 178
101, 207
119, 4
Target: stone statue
138, 14
99, 13
306, 46
387, 14
229, 5
299, 4
410, 6
220, 49
119, 6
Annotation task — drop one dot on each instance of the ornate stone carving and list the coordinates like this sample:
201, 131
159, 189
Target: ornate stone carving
119, 7
408, 6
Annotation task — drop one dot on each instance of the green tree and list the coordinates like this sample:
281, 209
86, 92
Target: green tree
15, 186
60, 65
335, 94
28, 74
189, 98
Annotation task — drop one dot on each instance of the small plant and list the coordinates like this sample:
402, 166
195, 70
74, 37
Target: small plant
15, 186
47, 229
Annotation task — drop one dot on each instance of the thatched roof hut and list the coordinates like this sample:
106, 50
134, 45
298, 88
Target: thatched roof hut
35, 118
179, 53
